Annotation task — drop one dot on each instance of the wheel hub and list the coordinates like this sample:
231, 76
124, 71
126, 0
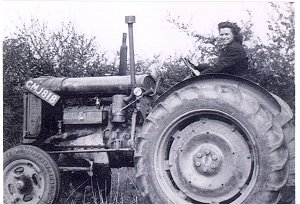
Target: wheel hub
208, 161
211, 161
19, 184
23, 182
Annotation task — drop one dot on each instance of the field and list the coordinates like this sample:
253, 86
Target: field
123, 190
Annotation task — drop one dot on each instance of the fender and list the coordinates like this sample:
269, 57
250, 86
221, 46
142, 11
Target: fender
286, 113
277, 106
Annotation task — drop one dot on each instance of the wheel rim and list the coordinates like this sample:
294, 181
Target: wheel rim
23, 182
206, 157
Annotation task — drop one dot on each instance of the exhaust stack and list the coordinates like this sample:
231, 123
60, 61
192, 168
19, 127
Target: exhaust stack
123, 57
130, 20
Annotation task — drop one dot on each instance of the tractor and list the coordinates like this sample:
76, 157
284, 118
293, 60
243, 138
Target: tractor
212, 138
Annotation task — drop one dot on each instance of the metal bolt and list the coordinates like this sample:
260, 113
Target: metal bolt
207, 151
213, 166
19, 184
199, 155
127, 136
204, 170
248, 157
198, 164
214, 157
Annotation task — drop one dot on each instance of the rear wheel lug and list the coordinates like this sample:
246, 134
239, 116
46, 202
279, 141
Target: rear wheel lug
207, 151
199, 155
204, 170
213, 166
214, 157
198, 164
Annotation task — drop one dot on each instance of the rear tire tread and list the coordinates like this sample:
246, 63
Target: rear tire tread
222, 93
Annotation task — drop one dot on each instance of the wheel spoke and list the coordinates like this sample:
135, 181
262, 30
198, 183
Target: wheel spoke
243, 188
167, 165
176, 134
182, 194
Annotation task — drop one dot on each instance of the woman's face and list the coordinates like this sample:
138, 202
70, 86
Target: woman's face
226, 35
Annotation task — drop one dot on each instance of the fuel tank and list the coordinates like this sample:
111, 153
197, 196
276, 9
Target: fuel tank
105, 85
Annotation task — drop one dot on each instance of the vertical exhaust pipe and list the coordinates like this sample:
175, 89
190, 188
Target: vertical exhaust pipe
123, 57
130, 20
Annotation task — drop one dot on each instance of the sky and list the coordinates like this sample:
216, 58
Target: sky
153, 34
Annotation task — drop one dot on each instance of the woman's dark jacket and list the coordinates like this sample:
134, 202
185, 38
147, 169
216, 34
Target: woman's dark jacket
232, 60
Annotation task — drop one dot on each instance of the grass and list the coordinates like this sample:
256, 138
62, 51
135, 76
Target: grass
123, 190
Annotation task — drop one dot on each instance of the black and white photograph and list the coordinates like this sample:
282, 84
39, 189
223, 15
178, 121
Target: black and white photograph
148, 102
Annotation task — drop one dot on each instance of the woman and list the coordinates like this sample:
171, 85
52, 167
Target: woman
233, 58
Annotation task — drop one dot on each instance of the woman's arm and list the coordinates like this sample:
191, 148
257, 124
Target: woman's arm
229, 57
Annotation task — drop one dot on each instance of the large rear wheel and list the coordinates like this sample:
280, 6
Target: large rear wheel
288, 194
212, 143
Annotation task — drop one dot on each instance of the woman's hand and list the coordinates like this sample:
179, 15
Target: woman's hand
191, 66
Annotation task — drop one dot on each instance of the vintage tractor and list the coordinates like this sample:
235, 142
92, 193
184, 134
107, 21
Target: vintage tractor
209, 139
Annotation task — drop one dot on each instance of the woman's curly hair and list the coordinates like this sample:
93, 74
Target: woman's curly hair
235, 29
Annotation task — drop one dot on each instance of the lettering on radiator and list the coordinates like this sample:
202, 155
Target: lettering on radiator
42, 92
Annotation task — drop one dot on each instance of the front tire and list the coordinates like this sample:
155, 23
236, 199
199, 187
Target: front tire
30, 176
211, 143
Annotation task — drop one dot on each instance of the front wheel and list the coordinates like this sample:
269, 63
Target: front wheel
29, 176
211, 144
